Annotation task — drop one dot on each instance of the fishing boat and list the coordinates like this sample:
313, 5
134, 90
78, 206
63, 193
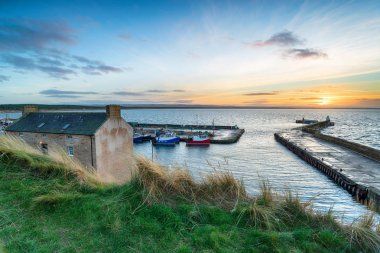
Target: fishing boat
146, 137
137, 138
167, 139
172, 135
198, 140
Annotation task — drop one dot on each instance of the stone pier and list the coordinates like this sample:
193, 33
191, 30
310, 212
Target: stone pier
356, 173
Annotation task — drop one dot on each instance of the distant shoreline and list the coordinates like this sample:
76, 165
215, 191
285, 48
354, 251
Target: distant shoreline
5, 108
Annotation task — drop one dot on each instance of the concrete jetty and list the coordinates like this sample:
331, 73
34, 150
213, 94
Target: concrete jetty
356, 172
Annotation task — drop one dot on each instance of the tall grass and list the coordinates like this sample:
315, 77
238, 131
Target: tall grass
15, 150
268, 210
219, 188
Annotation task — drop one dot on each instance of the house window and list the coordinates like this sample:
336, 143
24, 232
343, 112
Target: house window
44, 148
43, 135
70, 150
69, 136
21, 134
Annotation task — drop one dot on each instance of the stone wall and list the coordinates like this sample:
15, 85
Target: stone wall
80, 143
361, 149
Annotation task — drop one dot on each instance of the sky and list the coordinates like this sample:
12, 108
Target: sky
319, 54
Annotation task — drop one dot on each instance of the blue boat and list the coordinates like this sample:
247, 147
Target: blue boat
137, 138
174, 136
167, 139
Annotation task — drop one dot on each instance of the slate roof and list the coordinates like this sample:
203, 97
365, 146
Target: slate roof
59, 123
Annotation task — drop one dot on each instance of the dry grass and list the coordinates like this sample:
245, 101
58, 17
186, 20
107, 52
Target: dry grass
12, 143
218, 188
268, 210
362, 237
14, 149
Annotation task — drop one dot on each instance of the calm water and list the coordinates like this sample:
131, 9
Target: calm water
258, 156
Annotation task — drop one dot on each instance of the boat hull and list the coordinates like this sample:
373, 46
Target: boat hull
137, 139
198, 143
165, 141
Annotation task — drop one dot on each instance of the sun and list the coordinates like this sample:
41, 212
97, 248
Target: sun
324, 101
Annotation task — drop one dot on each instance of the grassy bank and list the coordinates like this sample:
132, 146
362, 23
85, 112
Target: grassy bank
49, 204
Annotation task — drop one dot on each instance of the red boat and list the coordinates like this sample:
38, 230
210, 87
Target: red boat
198, 141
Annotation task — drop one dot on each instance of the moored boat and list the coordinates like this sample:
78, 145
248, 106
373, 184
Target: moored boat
146, 137
168, 139
137, 138
199, 140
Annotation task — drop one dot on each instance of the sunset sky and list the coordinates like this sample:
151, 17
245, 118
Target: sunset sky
246, 53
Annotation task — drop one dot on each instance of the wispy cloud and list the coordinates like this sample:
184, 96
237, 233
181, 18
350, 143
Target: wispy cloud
184, 101
156, 91
283, 39
127, 93
164, 91
287, 39
261, 93
310, 98
304, 53
34, 45
125, 36
3, 78
28, 34
65, 93
26, 63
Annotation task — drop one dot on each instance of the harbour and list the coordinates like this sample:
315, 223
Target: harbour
218, 134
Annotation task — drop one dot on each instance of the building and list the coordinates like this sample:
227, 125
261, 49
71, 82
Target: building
101, 140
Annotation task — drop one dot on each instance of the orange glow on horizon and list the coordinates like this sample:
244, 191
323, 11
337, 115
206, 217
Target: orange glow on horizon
326, 96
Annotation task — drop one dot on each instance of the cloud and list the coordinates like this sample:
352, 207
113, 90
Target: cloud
164, 91
63, 96
3, 78
156, 91
20, 62
125, 36
65, 93
100, 69
283, 39
261, 93
127, 93
184, 101
44, 60
257, 102
288, 40
310, 98
27, 34
304, 53
36, 45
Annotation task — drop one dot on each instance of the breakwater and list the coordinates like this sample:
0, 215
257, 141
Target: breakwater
357, 173
359, 148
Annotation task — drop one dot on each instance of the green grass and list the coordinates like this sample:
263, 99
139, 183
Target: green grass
52, 211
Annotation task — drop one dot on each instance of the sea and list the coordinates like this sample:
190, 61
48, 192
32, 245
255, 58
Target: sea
257, 156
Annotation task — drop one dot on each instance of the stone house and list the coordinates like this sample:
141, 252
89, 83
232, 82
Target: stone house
100, 140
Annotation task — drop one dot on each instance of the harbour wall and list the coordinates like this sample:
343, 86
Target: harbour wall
178, 126
358, 148
366, 195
